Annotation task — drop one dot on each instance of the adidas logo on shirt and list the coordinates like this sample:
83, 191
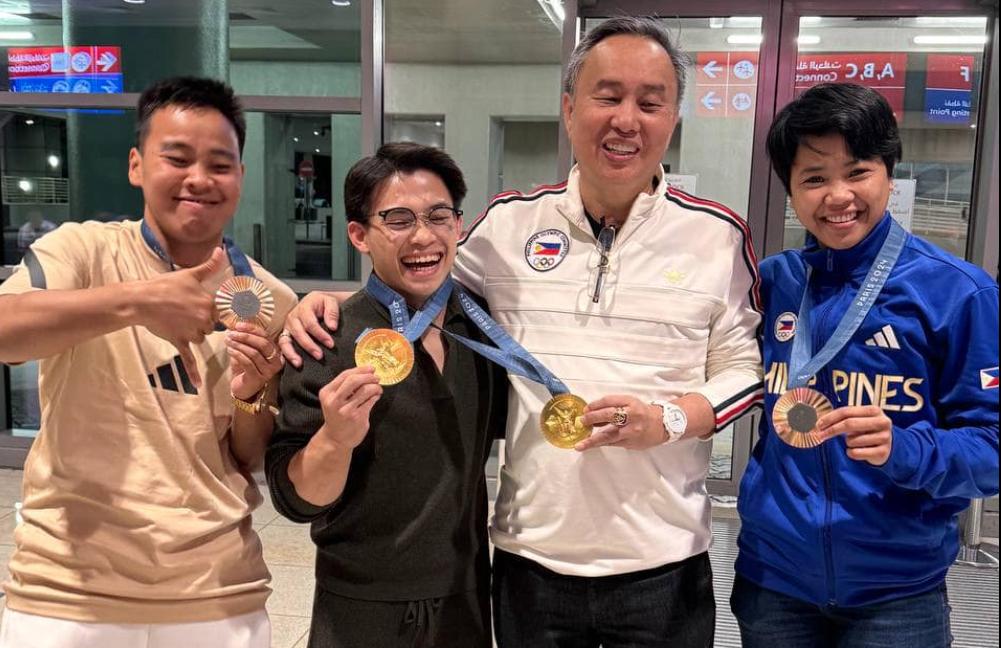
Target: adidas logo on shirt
171, 381
884, 338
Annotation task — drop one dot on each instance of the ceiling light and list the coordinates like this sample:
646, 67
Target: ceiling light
29, 122
743, 21
24, 185
13, 17
438, 124
951, 21
808, 39
316, 150
341, 3
295, 139
134, 1
716, 22
53, 161
950, 40
17, 35
810, 20
316, 132
744, 39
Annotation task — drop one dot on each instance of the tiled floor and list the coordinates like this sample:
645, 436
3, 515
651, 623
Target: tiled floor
289, 553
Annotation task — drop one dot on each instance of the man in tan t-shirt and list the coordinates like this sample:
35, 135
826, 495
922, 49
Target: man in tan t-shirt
137, 492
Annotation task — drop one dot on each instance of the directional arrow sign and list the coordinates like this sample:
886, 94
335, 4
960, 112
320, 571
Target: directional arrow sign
106, 61
710, 100
711, 69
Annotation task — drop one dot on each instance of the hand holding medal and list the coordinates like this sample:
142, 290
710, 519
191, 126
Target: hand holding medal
797, 413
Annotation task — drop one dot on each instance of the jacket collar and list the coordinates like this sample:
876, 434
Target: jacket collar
855, 260
571, 206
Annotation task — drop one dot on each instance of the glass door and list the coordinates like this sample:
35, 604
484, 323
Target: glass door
714, 152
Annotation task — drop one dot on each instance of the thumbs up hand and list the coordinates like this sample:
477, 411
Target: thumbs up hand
176, 307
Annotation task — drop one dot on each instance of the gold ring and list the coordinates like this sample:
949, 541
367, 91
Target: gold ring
284, 334
274, 351
620, 418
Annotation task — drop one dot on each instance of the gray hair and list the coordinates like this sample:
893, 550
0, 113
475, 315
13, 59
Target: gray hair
646, 27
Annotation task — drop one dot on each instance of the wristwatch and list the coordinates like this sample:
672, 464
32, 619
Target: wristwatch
258, 405
675, 420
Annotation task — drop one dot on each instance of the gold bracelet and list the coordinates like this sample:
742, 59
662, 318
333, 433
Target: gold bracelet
256, 406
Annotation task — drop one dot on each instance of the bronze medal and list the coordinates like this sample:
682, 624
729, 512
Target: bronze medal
244, 299
560, 421
795, 416
388, 352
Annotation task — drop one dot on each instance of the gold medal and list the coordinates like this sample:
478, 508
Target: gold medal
244, 299
561, 423
388, 352
795, 416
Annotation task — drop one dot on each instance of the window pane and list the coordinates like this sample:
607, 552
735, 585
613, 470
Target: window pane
490, 74
307, 47
928, 69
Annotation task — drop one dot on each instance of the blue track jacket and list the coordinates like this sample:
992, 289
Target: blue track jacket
823, 528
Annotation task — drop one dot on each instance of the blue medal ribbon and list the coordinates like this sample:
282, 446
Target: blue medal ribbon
802, 367
237, 259
508, 353
410, 328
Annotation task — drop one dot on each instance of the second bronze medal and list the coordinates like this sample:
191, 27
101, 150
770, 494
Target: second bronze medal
388, 352
561, 421
795, 416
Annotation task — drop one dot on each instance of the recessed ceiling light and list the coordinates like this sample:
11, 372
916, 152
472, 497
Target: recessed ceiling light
744, 39
316, 132
341, 3
134, 1
53, 161
950, 40
316, 150
29, 122
24, 185
295, 139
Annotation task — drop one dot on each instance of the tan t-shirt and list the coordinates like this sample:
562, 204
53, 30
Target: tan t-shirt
135, 510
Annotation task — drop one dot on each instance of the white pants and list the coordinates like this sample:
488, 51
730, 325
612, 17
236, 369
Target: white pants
21, 630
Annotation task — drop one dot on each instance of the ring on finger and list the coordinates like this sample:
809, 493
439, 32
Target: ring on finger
271, 356
284, 334
620, 418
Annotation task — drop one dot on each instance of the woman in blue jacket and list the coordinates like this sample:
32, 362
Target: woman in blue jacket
881, 400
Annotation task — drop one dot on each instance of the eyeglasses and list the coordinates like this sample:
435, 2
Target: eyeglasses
402, 219
605, 239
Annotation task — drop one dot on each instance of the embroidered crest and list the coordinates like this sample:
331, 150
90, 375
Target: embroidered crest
546, 249
785, 326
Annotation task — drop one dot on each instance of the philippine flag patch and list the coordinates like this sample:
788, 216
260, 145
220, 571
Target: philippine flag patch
546, 249
989, 378
785, 326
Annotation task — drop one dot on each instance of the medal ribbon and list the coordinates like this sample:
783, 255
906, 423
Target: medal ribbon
802, 367
237, 259
508, 353
410, 328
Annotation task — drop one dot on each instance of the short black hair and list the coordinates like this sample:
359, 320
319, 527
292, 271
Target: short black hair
368, 174
859, 114
190, 92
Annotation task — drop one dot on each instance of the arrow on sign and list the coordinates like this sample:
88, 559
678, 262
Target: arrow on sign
110, 87
710, 100
711, 69
106, 61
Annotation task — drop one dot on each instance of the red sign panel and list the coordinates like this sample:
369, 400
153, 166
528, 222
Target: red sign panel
63, 61
306, 169
726, 84
950, 72
881, 71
